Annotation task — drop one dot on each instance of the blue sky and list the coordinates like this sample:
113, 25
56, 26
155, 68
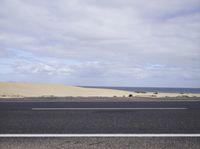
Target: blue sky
106, 43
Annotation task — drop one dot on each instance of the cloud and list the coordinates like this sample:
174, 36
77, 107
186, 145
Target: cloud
40, 68
109, 42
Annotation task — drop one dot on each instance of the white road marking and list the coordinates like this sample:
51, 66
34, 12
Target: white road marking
108, 109
96, 135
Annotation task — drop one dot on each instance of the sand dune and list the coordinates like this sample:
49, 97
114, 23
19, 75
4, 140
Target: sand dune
37, 90
20, 90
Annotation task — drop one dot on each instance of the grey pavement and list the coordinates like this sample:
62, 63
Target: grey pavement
23, 118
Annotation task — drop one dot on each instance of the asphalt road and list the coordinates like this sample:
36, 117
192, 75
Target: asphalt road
90, 105
100, 117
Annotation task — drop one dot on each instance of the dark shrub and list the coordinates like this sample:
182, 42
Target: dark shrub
140, 92
130, 95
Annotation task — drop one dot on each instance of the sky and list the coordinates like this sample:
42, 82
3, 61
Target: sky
138, 43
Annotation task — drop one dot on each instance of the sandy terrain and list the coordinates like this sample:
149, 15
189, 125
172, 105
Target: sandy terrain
20, 90
38, 90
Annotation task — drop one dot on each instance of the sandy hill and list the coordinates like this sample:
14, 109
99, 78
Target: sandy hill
36, 90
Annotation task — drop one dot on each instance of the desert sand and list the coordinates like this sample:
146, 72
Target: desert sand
45, 90
20, 90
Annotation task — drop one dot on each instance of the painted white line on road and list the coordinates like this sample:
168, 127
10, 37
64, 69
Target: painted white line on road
108, 109
96, 135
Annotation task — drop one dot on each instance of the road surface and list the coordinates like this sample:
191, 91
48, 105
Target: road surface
169, 117
100, 118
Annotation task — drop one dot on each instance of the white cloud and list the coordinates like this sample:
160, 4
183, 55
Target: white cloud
40, 68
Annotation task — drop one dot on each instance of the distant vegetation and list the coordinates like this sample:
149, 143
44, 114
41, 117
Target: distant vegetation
130, 95
140, 92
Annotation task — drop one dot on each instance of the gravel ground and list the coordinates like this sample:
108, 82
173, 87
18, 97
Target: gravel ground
99, 143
